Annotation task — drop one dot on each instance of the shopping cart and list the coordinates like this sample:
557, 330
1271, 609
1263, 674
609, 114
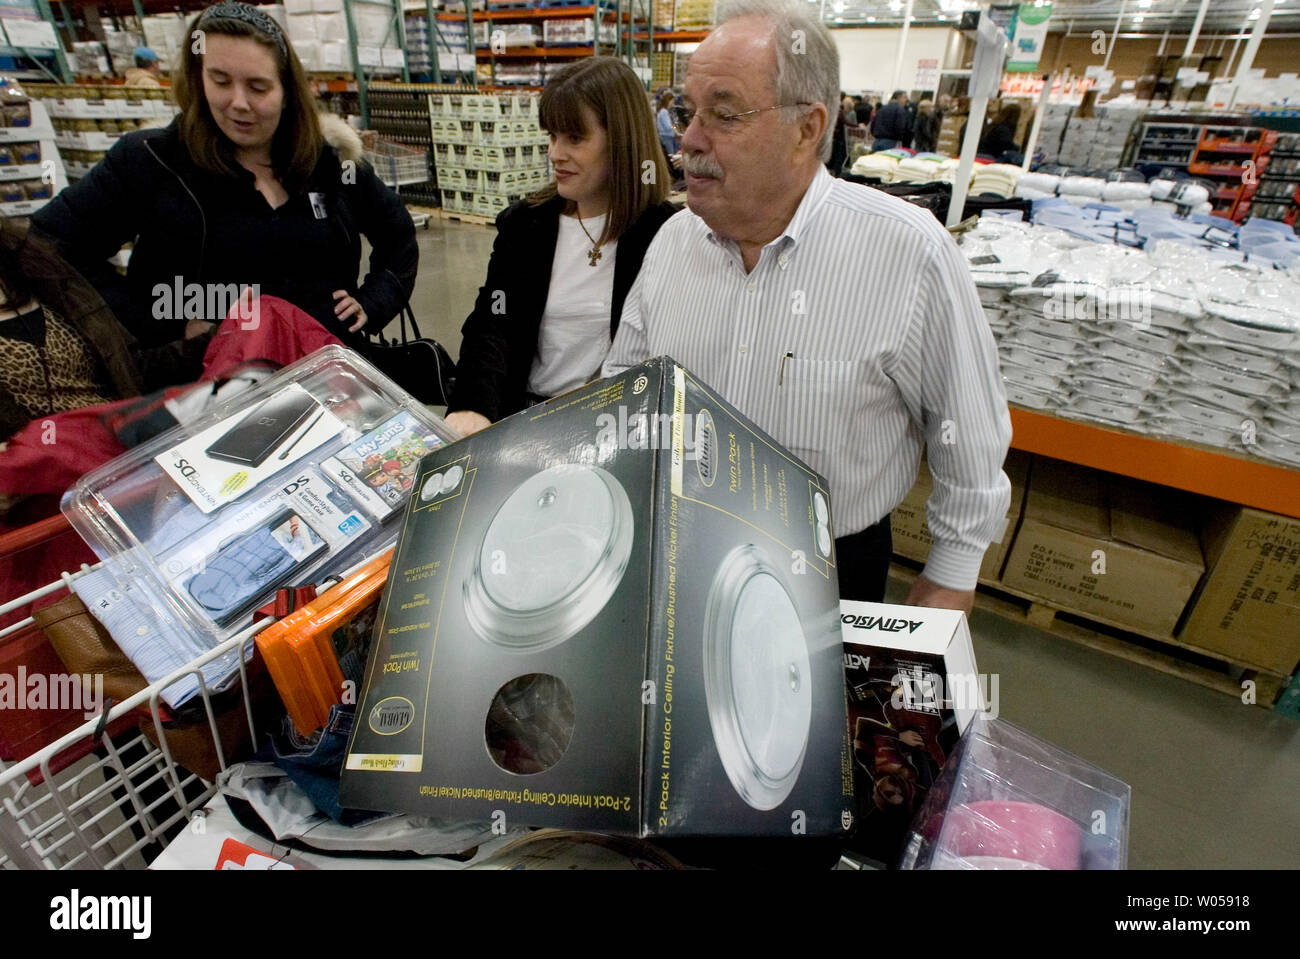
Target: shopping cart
398, 165
102, 795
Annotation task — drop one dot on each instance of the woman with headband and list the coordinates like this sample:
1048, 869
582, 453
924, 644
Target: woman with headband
248, 186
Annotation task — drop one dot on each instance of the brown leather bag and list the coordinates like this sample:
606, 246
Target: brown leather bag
87, 648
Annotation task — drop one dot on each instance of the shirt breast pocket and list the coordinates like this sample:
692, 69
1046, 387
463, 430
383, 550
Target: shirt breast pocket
819, 403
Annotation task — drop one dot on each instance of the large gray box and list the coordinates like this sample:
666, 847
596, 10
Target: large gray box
616, 611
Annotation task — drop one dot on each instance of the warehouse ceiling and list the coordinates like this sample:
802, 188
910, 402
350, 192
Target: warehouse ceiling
1133, 16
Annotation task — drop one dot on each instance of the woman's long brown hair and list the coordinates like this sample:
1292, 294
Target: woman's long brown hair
612, 92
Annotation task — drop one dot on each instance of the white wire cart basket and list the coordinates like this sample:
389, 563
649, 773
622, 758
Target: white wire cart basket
397, 165
104, 795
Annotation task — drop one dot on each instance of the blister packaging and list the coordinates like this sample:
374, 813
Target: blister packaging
286, 484
1007, 800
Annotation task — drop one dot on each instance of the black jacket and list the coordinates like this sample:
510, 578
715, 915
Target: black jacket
998, 139
209, 229
497, 349
129, 368
925, 132
891, 123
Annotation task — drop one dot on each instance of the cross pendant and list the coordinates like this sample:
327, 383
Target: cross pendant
593, 255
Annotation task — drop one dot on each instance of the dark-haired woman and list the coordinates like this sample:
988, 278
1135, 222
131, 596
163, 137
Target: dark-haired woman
565, 258
244, 188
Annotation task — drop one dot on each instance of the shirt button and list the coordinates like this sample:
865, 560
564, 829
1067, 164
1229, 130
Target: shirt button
784, 260
751, 287
743, 347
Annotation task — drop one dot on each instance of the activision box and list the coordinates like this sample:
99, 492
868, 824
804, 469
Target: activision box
912, 691
615, 611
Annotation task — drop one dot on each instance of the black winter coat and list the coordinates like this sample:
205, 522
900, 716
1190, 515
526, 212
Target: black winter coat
498, 349
891, 123
209, 229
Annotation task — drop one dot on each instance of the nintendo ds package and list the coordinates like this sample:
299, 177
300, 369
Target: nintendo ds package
285, 484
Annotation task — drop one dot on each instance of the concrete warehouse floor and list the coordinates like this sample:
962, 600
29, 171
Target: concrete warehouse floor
1215, 782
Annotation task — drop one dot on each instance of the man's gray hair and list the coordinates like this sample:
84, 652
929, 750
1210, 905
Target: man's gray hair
807, 59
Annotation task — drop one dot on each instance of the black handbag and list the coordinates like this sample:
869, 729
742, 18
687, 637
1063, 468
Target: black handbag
417, 364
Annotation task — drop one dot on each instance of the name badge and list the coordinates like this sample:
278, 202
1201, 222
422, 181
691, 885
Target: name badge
317, 205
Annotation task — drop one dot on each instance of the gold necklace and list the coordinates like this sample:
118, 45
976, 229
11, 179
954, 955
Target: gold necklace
594, 254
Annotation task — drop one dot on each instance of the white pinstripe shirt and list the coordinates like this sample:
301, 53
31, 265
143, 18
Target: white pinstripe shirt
886, 350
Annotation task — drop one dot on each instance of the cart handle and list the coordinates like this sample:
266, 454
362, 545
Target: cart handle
18, 540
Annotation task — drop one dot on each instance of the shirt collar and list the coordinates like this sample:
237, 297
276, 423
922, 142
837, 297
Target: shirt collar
818, 189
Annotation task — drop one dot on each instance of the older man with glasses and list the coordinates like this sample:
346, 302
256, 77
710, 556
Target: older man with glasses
841, 320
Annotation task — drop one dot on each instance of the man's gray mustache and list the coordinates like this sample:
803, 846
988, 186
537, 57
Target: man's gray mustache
698, 165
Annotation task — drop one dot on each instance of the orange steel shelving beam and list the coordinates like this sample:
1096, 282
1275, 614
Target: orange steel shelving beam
1213, 472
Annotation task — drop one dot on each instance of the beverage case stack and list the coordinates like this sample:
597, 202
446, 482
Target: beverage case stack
489, 150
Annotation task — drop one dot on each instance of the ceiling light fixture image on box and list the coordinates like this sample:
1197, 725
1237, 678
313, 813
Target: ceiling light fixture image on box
551, 558
756, 678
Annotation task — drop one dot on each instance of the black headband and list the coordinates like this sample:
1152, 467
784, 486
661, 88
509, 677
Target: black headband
229, 10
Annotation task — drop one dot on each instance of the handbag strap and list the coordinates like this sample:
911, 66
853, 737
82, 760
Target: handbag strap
408, 316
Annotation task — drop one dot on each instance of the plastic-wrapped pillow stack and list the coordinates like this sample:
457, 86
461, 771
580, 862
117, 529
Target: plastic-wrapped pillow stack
1081, 189
1176, 193
1169, 341
1097, 141
1037, 186
1116, 192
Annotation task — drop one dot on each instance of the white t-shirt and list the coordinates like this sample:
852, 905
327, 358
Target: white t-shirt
574, 336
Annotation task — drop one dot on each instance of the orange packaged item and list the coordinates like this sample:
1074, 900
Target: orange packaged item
299, 652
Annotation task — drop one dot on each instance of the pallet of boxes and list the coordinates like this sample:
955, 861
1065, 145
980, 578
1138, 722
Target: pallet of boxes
1199, 588
488, 150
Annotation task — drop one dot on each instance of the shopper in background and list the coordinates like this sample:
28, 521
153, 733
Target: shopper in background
848, 112
926, 134
565, 258
664, 125
889, 126
999, 137
60, 346
839, 140
759, 291
866, 109
245, 188
146, 72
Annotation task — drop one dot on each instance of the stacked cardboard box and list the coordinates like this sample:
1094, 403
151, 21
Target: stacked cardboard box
949, 141
1110, 549
693, 14
1248, 609
1095, 139
912, 533
488, 150
1055, 117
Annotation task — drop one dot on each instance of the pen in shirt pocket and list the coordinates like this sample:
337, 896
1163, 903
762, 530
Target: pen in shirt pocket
780, 370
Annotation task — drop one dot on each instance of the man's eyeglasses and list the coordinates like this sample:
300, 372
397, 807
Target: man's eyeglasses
711, 118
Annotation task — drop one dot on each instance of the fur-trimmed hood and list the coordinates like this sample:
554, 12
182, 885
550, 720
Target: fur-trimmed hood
345, 140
